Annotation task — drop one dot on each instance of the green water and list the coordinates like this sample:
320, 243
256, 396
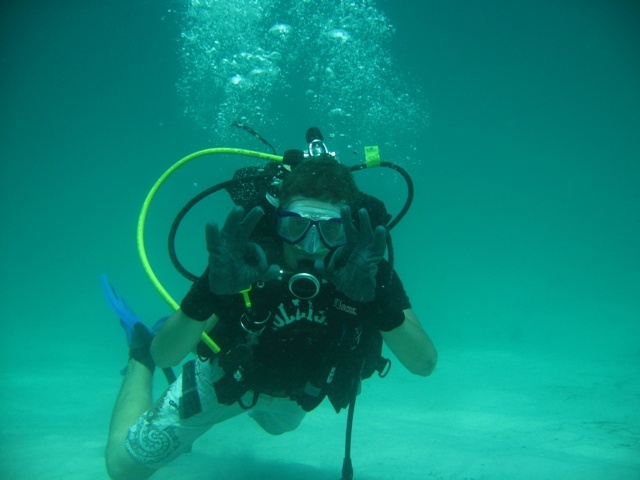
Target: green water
518, 122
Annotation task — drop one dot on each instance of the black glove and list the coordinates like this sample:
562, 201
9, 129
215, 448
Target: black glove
352, 268
235, 262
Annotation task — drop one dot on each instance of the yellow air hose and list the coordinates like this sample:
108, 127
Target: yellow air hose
145, 208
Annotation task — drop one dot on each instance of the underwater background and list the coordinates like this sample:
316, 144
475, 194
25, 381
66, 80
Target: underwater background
518, 123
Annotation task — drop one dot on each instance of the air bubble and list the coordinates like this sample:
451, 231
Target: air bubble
339, 34
281, 29
329, 62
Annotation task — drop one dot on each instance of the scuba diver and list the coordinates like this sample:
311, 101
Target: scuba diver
292, 308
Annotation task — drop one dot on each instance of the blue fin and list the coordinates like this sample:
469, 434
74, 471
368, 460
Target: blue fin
128, 320
127, 317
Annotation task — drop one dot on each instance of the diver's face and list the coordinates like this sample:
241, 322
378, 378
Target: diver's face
310, 228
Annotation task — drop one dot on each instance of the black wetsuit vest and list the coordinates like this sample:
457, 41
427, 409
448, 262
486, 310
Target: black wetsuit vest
307, 350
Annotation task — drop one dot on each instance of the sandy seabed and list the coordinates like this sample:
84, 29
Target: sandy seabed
481, 415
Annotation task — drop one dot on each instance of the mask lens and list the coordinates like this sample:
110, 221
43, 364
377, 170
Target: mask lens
292, 227
332, 232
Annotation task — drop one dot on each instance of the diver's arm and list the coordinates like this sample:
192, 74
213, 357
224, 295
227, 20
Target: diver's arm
177, 337
412, 346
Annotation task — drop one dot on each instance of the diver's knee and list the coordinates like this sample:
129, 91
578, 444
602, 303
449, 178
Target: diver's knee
277, 424
115, 466
122, 466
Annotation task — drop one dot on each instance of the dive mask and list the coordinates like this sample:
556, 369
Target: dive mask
311, 229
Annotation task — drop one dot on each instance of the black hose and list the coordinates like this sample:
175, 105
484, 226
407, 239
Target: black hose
407, 179
347, 466
183, 212
250, 179
247, 128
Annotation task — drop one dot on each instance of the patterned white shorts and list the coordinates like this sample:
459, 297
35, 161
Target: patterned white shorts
160, 435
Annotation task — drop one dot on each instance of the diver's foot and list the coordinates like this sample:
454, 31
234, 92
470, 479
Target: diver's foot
140, 349
140, 346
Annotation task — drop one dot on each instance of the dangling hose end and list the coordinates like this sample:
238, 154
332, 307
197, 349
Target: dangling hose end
347, 469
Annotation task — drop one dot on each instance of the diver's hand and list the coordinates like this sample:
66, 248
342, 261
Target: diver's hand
235, 262
352, 268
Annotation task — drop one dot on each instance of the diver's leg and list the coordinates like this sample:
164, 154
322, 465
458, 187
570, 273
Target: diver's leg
135, 393
133, 400
277, 415
147, 439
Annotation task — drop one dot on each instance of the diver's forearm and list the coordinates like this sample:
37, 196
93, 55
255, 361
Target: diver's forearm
176, 339
412, 346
